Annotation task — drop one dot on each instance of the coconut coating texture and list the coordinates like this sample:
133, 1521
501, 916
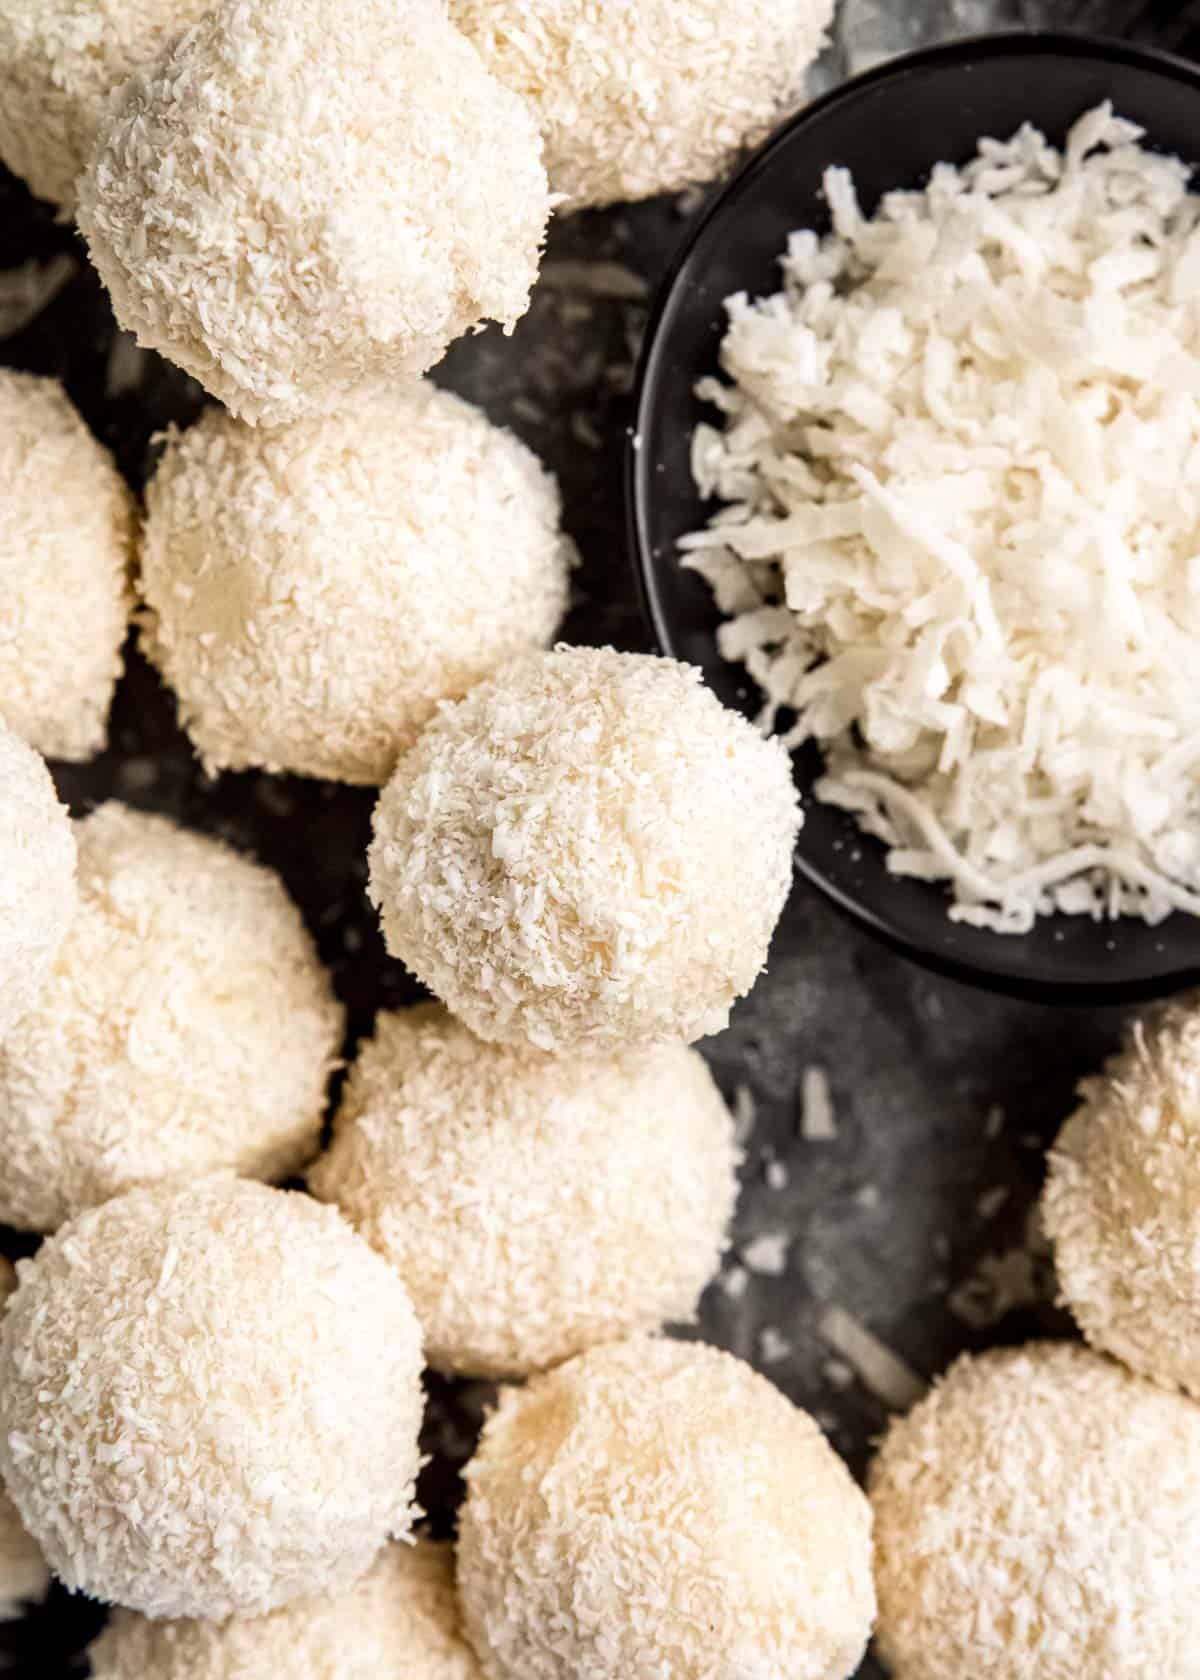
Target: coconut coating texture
637, 97
588, 852
59, 61
185, 1025
1037, 1517
399, 1622
68, 528
658, 1508
1122, 1201
37, 876
209, 1400
534, 1205
316, 589
24, 1578
295, 211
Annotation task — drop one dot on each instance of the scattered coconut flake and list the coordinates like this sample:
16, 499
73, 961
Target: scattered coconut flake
744, 1113
867, 1196
880, 1371
998, 1285
26, 291
766, 1255
990, 1203
734, 1282
595, 279
993, 1123
959, 454
776, 1175
818, 1123
837, 1373
126, 366
773, 1348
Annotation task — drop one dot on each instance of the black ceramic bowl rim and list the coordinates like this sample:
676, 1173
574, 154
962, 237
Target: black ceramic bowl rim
1165, 958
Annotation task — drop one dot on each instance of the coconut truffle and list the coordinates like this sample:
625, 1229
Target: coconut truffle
59, 61
316, 589
1122, 1202
67, 533
1037, 1517
655, 1507
209, 1400
535, 1206
400, 1622
37, 876
24, 1578
186, 1025
589, 851
637, 97
296, 212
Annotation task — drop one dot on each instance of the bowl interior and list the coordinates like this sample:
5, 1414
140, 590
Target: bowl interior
889, 128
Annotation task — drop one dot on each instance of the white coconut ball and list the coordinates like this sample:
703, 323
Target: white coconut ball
296, 211
1122, 1201
68, 528
186, 1025
399, 1622
316, 589
59, 61
588, 852
209, 1400
637, 97
1037, 1517
534, 1205
24, 1577
37, 876
656, 1507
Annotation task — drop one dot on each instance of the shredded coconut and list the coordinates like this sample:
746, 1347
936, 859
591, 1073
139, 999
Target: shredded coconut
882, 1372
960, 456
658, 1508
534, 1205
998, 1285
766, 1255
818, 1122
26, 291
1038, 1518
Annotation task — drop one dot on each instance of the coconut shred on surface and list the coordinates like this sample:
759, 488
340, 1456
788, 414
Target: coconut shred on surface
960, 545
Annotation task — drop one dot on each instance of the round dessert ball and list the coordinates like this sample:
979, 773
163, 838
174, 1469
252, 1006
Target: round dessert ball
588, 852
296, 212
24, 1578
186, 1025
399, 1622
209, 1400
316, 589
37, 876
1122, 1202
1038, 1514
657, 1507
637, 97
534, 1205
67, 533
59, 61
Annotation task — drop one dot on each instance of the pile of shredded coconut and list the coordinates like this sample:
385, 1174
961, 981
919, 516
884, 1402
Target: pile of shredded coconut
962, 546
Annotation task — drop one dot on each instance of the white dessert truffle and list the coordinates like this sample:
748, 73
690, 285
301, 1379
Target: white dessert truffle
534, 1205
637, 97
1037, 1517
186, 1025
59, 61
295, 211
37, 876
317, 588
400, 1622
589, 851
209, 1400
24, 1577
655, 1507
1122, 1202
67, 533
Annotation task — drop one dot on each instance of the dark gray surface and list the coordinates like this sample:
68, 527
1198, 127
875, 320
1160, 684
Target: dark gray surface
943, 1098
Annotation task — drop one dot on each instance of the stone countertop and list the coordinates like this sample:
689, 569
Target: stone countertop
894, 1123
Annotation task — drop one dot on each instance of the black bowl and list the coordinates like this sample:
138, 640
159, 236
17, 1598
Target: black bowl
889, 127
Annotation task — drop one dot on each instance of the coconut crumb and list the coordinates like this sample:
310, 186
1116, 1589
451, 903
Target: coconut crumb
999, 1284
882, 1372
818, 1122
773, 1347
27, 291
766, 1255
